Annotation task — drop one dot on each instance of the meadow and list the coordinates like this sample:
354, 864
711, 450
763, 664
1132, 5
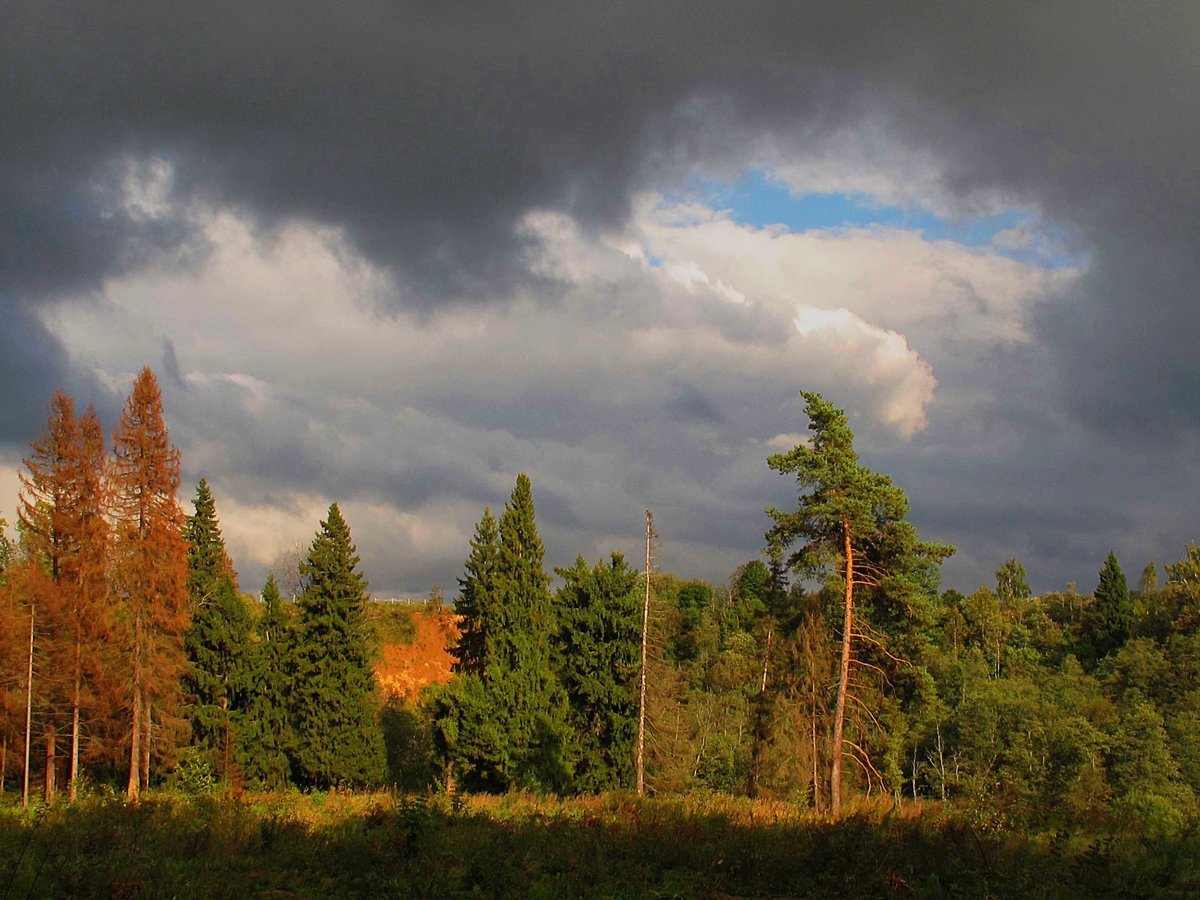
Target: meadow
291, 844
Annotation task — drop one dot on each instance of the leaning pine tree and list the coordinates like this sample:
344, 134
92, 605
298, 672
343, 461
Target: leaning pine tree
851, 529
336, 705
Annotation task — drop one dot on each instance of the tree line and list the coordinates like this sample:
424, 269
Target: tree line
125, 637
832, 667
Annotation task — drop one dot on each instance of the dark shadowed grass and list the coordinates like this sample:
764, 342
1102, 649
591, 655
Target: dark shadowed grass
516, 846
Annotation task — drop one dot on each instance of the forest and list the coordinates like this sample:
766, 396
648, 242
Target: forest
830, 684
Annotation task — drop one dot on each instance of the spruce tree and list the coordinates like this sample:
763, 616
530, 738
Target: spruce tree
1114, 609
502, 722
339, 741
476, 596
266, 734
599, 651
518, 674
218, 639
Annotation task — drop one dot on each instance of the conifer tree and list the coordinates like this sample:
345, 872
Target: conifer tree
502, 722
598, 649
218, 639
150, 571
476, 596
518, 674
62, 515
851, 523
339, 738
266, 734
1114, 609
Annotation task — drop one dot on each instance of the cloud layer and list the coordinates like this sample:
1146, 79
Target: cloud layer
392, 254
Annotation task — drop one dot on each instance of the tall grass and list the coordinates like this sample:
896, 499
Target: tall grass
292, 844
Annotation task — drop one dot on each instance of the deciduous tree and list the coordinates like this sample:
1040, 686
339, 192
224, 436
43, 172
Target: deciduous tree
149, 571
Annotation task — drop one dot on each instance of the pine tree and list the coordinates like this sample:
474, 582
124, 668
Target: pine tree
340, 741
150, 572
218, 639
476, 596
599, 651
851, 523
1114, 609
266, 736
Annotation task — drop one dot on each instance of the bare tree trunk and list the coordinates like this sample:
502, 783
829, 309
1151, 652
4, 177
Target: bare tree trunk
3, 761
135, 747
28, 710
72, 788
839, 711
146, 746
51, 762
641, 734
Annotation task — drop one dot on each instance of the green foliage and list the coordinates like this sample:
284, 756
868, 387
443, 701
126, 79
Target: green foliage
477, 590
334, 694
266, 738
217, 642
1113, 620
599, 653
503, 722
1011, 583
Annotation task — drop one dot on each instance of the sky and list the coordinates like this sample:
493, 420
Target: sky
392, 254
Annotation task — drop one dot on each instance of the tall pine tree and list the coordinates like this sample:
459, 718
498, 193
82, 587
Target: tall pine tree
850, 521
339, 738
216, 682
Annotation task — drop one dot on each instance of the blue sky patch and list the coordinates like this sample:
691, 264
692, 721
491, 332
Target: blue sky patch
759, 201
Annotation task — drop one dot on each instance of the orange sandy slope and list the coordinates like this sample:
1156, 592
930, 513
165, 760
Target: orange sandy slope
403, 669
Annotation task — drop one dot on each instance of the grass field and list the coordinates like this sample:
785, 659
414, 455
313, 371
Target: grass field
293, 845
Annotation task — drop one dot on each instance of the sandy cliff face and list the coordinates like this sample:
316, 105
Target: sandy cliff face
403, 669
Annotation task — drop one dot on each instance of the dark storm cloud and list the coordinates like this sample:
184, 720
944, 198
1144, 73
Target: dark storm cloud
425, 133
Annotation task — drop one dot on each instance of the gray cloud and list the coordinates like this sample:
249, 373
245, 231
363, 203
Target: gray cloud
424, 135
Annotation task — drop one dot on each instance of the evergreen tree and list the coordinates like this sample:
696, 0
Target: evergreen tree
150, 571
502, 722
218, 639
266, 738
476, 596
599, 651
1114, 609
517, 657
339, 737
851, 523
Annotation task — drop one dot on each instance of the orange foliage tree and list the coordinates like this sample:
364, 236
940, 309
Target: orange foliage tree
64, 532
149, 572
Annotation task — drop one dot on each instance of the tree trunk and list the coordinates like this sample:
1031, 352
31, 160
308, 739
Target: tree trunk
72, 788
146, 747
641, 732
51, 762
839, 711
135, 746
28, 710
3, 761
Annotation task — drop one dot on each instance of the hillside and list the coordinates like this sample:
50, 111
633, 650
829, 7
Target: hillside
406, 666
